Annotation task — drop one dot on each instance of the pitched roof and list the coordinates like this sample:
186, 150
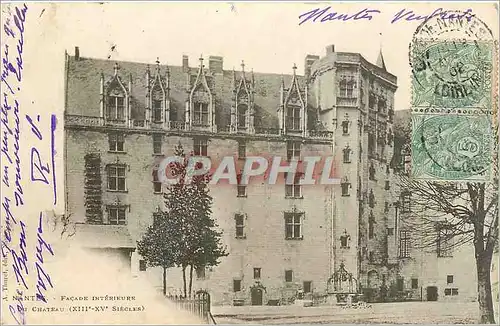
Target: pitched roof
380, 60
83, 89
103, 236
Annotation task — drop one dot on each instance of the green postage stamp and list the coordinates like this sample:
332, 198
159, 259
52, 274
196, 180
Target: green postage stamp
452, 111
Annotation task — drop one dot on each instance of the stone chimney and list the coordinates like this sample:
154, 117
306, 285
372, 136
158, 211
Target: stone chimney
185, 63
215, 64
330, 49
308, 62
77, 53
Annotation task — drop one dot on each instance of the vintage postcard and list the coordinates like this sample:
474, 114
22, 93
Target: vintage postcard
249, 163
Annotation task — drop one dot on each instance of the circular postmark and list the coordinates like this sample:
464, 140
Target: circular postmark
452, 147
464, 25
451, 73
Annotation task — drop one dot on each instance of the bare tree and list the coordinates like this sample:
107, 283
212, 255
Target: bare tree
446, 215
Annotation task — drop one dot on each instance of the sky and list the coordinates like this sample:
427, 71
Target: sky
267, 36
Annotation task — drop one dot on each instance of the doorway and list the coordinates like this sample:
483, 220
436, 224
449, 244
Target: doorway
432, 293
256, 297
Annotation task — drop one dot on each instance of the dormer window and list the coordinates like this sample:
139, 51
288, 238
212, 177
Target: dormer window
115, 110
157, 110
293, 118
200, 114
242, 116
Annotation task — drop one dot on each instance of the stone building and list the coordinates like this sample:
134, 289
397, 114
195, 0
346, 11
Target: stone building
122, 118
430, 269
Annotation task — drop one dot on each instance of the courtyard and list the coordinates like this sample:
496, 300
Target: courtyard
391, 313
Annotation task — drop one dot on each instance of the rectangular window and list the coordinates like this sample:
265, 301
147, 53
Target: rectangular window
288, 276
200, 147
117, 216
445, 242
293, 118
345, 188
242, 149
157, 110
404, 244
447, 291
386, 207
307, 286
449, 279
454, 291
142, 265
293, 225
200, 114
346, 88
293, 150
236, 285
414, 283
242, 116
239, 220
256, 273
157, 187
293, 190
115, 108
116, 142
242, 190
116, 178
390, 231
157, 143
387, 185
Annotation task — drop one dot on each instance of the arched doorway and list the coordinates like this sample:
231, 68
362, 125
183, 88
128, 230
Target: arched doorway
257, 294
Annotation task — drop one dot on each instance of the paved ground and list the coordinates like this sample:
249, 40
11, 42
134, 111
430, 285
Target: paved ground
403, 312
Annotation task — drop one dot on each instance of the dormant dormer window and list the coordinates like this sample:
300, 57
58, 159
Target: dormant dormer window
157, 110
115, 110
115, 99
242, 116
200, 114
293, 118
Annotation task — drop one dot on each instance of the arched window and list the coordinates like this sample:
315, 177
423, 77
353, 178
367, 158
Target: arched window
242, 115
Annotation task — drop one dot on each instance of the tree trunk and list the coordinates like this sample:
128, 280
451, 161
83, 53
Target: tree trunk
190, 279
164, 281
484, 288
184, 279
